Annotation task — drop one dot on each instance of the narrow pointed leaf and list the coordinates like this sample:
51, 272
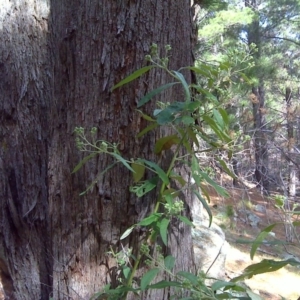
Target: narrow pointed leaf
127, 232
192, 135
189, 276
181, 78
98, 177
186, 221
139, 170
169, 262
162, 175
163, 229
205, 192
147, 129
149, 220
253, 296
165, 143
218, 118
146, 117
224, 115
122, 160
220, 190
83, 161
225, 168
163, 284
133, 76
217, 285
259, 239
205, 204
148, 277
151, 94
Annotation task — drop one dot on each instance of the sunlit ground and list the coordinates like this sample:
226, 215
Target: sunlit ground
271, 285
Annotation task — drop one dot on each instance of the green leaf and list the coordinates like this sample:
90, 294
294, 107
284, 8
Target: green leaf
179, 179
224, 115
147, 129
219, 119
259, 239
192, 135
139, 170
122, 160
169, 262
162, 175
163, 284
133, 76
192, 105
217, 285
127, 232
220, 190
253, 296
165, 116
187, 120
98, 177
189, 276
144, 187
170, 193
205, 204
225, 167
83, 161
279, 201
208, 95
276, 242
201, 71
151, 94
181, 78
126, 272
146, 117
163, 229
150, 219
265, 266
296, 223
218, 131
186, 221
205, 192
245, 78
148, 277
165, 143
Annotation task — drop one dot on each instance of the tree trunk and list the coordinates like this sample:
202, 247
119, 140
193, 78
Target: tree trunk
25, 91
59, 60
292, 169
258, 104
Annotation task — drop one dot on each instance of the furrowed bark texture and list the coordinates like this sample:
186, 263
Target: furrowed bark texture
25, 77
59, 60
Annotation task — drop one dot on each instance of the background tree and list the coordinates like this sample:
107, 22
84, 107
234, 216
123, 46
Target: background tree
59, 60
273, 28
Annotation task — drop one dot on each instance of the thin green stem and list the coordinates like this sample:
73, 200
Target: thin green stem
171, 166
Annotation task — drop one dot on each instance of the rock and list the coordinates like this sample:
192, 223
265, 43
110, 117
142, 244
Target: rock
252, 218
260, 208
210, 248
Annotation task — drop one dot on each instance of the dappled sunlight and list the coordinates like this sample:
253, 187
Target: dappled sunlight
273, 285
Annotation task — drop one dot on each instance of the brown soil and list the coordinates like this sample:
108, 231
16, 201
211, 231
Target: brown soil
230, 214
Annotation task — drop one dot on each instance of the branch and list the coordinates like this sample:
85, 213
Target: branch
283, 38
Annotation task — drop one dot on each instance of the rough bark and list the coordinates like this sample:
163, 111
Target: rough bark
59, 60
25, 91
